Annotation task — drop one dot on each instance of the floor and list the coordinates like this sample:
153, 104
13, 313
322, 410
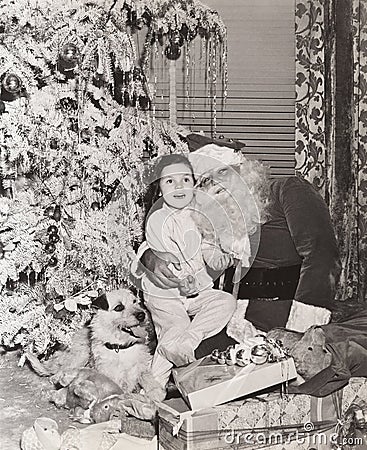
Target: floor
23, 399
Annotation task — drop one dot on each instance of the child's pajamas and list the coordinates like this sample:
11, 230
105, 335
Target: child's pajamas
181, 323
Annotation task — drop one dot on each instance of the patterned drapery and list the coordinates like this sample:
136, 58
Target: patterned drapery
316, 152
355, 255
310, 92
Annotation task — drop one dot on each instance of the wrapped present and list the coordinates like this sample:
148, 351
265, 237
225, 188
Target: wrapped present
292, 421
204, 383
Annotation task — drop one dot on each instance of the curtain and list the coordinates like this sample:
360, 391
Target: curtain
310, 93
339, 173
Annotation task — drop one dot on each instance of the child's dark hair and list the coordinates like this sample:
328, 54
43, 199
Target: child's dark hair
169, 160
152, 198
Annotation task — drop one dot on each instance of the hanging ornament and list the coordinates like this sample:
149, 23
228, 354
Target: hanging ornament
69, 53
50, 247
53, 238
57, 213
52, 229
54, 144
203, 32
144, 102
172, 52
53, 261
49, 211
95, 206
12, 83
138, 74
177, 38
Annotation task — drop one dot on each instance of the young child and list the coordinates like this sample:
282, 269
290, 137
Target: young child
183, 316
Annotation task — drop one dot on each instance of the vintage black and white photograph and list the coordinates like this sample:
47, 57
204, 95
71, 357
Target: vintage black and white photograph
183, 224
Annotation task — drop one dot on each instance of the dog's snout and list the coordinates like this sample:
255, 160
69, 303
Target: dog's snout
140, 316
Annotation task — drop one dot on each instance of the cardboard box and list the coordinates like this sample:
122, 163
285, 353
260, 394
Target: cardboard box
205, 383
270, 415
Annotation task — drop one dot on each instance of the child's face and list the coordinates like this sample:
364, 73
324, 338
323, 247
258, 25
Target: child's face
177, 185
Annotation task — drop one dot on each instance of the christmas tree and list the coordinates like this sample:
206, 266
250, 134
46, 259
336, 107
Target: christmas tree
76, 127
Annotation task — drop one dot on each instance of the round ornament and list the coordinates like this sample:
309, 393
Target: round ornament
172, 52
144, 102
242, 357
54, 144
95, 206
53, 261
259, 354
12, 83
52, 229
50, 248
177, 39
69, 53
214, 355
222, 358
53, 238
49, 211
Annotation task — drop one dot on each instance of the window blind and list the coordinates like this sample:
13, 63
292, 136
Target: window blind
259, 110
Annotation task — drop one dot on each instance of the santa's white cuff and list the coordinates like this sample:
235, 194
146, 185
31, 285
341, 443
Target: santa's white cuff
303, 316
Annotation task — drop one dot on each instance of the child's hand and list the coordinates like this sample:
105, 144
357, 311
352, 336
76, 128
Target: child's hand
187, 286
222, 262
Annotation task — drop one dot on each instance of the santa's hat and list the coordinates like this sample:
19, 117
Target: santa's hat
213, 156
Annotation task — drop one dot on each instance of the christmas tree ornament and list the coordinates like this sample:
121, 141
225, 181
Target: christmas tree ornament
259, 354
49, 211
57, 213
230, 356
12, 83
52, 229
176, 38
54, 144
53, 238
144, 102
95, 206
53, 261
242, 357
69, 53
221, 358
214, 355
50, 248
172, 52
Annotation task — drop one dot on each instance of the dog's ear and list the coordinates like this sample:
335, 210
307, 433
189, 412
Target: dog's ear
101, 302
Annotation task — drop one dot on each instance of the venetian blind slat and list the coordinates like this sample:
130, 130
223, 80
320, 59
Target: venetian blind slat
259, 110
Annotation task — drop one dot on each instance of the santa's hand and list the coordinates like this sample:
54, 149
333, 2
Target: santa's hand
221, 262
157, 270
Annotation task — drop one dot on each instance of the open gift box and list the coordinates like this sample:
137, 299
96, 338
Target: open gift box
270, 420
204, 383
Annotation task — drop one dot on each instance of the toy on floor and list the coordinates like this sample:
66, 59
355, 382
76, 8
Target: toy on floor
44, 435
